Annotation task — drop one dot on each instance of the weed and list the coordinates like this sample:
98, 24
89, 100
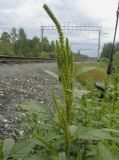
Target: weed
76, 127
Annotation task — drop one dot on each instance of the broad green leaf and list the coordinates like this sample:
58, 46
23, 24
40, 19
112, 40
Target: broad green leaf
40, 143
60, 156
43, 140
52, 74
79, 93
50, 136
72, 129
22, 148
92, 150
36, 107
38, 156
105, 153
94, 134
33, 157
114, 131
7, 147
41, 110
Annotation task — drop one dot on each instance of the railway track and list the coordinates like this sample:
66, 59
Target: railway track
13, 60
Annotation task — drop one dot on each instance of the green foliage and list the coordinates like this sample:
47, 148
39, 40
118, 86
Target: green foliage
78, 126
16, 150
117, 46
5, 37
46, 45
35, 49
22, 43
52, 46
1, 150
17, 44
7, 147
14, 38
106, 50
6, 48
106, 153
13, 35
65, 67
116, 61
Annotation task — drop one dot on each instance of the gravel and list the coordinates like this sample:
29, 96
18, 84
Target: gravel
21, 83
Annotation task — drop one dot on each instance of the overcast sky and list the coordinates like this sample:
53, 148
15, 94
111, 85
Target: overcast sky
30, 15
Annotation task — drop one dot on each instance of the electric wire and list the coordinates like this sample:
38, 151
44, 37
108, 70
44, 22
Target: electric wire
68, 9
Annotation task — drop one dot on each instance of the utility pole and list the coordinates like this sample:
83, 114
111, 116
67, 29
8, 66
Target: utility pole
74, 28
99, 35
42, 36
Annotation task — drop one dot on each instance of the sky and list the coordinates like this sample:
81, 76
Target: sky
30, 15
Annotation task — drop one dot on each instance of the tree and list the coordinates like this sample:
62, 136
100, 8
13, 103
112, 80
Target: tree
22, 43
35, 46
46, 45
52, 46
6, 47
117, 46
14, 37
5, 37
106, 50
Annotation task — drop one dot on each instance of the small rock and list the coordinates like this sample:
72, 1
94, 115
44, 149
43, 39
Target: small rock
5, 120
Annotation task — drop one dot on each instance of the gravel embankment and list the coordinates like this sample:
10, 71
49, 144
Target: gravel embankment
20, 83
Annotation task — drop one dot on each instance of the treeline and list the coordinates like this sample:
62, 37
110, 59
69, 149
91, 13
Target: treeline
16, 43
107, 49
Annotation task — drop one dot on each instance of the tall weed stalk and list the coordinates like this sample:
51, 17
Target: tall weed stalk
65, 67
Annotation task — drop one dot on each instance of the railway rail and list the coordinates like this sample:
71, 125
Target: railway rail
13, 60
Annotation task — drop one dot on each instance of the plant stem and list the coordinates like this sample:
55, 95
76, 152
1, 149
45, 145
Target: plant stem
65, 67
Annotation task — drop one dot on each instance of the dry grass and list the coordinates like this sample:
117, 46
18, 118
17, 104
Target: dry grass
95, 75
84, 72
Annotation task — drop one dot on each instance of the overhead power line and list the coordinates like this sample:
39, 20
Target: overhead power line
96, 29
73, 27
68, 9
